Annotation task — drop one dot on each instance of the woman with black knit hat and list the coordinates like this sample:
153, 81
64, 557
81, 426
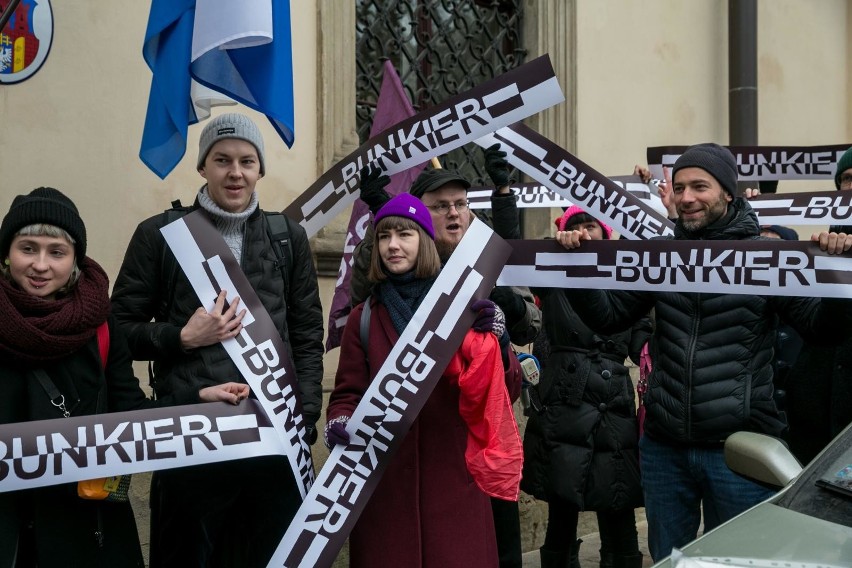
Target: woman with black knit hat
54, 304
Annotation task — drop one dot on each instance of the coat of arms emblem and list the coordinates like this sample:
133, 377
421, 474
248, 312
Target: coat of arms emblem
25, 39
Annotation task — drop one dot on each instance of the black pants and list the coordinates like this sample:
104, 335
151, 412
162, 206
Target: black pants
617, 529
507, 526
221, 514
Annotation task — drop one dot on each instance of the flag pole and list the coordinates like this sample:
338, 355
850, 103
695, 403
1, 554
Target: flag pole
436, 164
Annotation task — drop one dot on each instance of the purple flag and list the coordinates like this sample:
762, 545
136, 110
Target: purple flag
392, 108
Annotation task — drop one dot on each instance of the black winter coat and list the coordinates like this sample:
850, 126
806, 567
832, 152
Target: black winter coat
63, 524
581, 446
712, 353
151, 286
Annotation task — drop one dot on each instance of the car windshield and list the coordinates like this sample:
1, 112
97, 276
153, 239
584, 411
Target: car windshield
824, 488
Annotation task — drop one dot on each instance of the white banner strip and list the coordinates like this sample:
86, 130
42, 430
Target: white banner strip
506, 99
764, 163
553, 166
258, 351
389, 407
65, 450
761, 267
815, 208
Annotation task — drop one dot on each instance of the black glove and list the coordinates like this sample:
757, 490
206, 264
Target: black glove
497, 166
373, 184
311, 429
512, 304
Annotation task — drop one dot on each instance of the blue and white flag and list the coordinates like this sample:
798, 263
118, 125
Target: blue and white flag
204, 53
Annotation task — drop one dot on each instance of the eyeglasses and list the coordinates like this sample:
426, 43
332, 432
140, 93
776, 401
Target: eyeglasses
444, 208
846, 180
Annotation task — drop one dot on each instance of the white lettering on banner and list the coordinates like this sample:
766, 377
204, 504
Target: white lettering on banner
261, 365
48, 452
768, 268
504, 100
386, 411
632, 217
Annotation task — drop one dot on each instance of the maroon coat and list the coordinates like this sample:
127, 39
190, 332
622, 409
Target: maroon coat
426, 512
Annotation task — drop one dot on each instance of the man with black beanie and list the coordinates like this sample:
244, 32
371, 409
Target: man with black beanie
712, 358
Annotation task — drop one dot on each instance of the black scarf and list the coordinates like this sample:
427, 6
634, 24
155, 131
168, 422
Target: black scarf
401, 294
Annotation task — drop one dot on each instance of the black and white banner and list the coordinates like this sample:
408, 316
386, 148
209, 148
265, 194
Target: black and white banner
814, 208
762, 267
65, 450
533, 195
394, 399
762, 163
258, 351
553, 166
506, 99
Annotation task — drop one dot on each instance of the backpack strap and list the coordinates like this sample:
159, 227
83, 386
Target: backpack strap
278, 228
364, 328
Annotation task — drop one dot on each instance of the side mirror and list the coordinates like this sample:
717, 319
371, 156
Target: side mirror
762, 458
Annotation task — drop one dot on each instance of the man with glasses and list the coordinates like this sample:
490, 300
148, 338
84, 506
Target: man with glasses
444, 192
819, 386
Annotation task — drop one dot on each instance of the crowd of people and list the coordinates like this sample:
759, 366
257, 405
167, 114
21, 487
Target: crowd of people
721, 363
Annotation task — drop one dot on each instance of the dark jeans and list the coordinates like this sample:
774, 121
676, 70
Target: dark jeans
677, 481
221, 514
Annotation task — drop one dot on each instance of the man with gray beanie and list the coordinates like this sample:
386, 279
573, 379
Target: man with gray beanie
712, 357
229, 513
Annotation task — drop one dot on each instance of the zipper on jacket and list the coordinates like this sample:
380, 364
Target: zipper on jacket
690, 358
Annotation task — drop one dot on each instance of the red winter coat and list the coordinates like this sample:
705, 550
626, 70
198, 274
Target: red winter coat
427, 511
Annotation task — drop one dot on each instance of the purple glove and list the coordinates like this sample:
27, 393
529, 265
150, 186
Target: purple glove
335, 432
489, 317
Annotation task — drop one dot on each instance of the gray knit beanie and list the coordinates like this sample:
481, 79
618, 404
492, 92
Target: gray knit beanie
715, 160
231, 125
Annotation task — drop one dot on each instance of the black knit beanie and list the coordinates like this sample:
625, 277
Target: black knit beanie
47, 206
713, 159
843, 164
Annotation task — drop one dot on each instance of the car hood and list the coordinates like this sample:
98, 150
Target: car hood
769, 533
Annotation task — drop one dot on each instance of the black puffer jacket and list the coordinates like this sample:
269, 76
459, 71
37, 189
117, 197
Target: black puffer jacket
581, 444
151, 286
712, 353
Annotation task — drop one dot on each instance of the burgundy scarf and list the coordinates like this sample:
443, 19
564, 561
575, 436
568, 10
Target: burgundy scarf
35, 330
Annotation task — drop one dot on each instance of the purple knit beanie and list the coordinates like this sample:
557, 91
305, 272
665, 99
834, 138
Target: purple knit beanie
408, 206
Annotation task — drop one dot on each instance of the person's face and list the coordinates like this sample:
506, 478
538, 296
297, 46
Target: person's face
231, 169
699, 198
41, 265
846, 179
451, 226
594, 229
398, 249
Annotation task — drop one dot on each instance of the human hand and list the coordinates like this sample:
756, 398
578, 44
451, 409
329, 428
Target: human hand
512, 304
208, 328
664, 190
489, 317
373, 193
497, 166
751, 192
833, 243
226, 392
571, 239
335, 432
643, 172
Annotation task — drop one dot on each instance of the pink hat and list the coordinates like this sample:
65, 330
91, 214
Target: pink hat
573, 211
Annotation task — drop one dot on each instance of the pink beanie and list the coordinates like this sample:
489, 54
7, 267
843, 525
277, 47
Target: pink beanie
573, 211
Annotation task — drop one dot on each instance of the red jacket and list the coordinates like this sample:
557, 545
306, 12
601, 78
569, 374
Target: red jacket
427, 510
